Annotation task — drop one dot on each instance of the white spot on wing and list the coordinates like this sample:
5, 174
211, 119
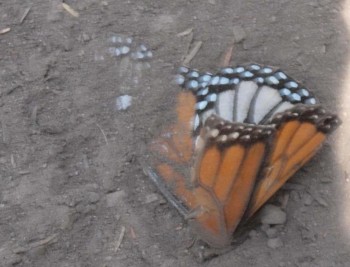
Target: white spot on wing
225, 104
265, 101
195, 122
246, 91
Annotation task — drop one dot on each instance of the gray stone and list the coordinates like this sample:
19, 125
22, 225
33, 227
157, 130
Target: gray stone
307, 199
274, 243
272, 215
114, 198
253, 233
151, 198
271, 232
93, 197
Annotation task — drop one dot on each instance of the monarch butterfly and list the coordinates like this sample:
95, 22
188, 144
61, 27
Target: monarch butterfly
240, 135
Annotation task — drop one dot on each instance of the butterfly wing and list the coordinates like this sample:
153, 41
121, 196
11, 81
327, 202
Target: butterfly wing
215, 191
172, 154
300, 133
228, 159
239, 136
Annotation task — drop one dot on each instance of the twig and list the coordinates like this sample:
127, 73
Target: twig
132, 233
227, 56
4, 132
25, 14
13, 162
70, 10
185, 32
43, 241
103, 133
47, 240
120, 239
6, 30
193, 53
34, 115
189, 40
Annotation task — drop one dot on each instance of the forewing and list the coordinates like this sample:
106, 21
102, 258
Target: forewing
228, 159
300, 133
172, 153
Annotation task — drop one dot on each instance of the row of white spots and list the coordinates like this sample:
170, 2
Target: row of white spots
250, 94
193, 80
123, 45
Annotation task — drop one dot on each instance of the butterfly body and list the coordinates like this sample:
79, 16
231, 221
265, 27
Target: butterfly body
240, 134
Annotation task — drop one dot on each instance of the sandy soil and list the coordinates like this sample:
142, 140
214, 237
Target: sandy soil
73, 192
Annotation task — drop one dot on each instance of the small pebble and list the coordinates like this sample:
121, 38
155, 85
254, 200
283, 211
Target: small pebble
143, 48
124, 50
93, 197
253, 233
294, 196
138, 55
272, 215
271, 232
85, 37
114, 198
321, 201
123, 102
308, 236
151, 198
274, 243
307, 199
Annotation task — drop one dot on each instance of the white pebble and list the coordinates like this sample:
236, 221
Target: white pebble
143, 48
274, 243
149, 54
124, 50
123, 102
272, 215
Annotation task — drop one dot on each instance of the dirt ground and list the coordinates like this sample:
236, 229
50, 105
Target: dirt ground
72, 190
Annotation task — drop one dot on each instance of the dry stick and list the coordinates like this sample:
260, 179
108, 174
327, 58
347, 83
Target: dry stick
120, 239
185, 32
3, 31
193, 53
226, 57
189, 42
13, 162
4, 132
34, 115
25, 14
132, 233
103, 133
44, 241
70, 10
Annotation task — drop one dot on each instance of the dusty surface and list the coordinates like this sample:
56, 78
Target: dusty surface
71, 182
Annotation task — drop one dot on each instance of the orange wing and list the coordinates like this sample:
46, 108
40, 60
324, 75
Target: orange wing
226, 158
222, 176
300, 133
